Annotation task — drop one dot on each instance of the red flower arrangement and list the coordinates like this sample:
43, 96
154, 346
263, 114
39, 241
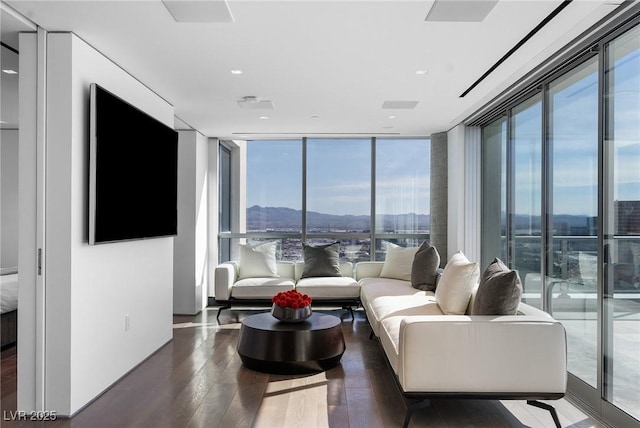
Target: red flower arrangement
291, 299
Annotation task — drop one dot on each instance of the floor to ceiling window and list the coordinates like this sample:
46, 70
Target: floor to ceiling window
355, 191
224, 200
572, 139
621, 224
273, 194
494, 191
402, 193
338, 195
567, 163
525, 212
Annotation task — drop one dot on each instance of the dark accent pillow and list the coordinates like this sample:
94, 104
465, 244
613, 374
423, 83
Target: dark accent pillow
322, 260
424, 267
499, 291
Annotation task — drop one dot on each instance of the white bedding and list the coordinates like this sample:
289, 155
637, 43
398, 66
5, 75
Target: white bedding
8, 292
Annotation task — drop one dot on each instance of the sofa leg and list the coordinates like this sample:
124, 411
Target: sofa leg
350, 309
220, 309
548, 407
371, 335
414, 406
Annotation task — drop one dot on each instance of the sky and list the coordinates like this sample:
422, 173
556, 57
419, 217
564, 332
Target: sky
574, 136
338, 175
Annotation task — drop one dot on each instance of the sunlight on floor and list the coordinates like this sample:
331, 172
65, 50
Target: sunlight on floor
294, 401
234, 326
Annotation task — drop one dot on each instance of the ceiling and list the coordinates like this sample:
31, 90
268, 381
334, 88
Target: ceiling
326, 66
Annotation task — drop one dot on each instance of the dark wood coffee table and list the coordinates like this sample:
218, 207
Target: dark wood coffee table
271, 346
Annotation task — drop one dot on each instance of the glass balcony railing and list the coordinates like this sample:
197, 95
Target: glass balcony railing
354, 247
574, 266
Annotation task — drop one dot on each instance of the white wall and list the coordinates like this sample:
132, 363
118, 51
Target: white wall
90, 289
190, 255
9, 198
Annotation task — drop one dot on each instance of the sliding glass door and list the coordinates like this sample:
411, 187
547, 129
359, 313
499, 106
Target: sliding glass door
572, 266
571, 188
525, 196
621, 255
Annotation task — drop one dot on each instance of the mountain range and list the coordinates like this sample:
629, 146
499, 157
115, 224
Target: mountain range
287, 218
281, 218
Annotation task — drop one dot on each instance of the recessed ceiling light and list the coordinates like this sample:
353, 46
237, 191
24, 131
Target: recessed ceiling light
9, 71
236, 72
315, 116
392, 117
264, 117
421, 72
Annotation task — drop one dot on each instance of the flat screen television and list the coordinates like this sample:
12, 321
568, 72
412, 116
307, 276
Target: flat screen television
133, 172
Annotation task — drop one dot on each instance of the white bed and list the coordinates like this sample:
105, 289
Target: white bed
8, 307
8, 293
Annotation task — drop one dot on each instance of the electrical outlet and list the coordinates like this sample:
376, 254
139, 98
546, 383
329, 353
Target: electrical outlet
126, 322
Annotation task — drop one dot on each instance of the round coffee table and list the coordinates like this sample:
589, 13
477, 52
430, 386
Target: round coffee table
271, 346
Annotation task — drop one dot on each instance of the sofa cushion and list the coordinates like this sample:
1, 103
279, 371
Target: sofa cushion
419, 304
258, 261
371, 288
260, 288
499, 291
397, 262
456, 284
321, 260
383, 297
424, 267
322, 288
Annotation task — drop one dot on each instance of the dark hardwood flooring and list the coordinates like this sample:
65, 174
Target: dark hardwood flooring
197, 380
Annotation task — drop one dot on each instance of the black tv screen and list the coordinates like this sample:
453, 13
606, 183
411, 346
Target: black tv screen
133, 172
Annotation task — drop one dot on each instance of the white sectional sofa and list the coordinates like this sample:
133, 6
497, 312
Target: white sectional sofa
335, 290
434, 355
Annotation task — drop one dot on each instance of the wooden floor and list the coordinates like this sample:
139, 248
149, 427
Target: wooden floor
197, 380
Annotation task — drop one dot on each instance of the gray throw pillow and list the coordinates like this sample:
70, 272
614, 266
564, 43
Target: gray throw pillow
322, 260
424, 267
499, 291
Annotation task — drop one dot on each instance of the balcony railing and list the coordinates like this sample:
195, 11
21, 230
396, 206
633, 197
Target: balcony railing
573, 269
354, 247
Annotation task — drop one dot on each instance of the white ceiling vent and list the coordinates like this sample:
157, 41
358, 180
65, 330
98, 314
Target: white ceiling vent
400, 104
213, 11
460, 10
254, 103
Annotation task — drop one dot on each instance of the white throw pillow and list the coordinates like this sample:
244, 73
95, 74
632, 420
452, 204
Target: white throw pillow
398, 262
258, 261
456, 284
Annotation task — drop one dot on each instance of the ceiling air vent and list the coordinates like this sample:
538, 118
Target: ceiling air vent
460, 10
400, 104
255, 103
211, 11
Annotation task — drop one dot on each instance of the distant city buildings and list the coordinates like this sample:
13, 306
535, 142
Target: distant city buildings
627, 217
